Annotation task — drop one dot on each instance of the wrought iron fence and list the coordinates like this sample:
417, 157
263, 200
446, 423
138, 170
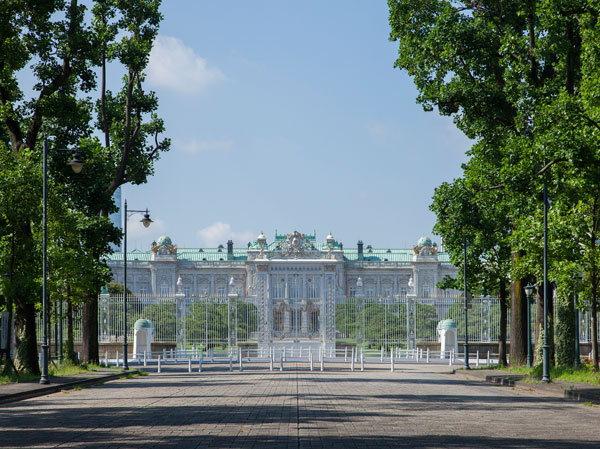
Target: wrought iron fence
221, 322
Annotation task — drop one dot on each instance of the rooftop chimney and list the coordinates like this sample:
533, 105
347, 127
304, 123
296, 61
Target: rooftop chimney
229, 249
360, 249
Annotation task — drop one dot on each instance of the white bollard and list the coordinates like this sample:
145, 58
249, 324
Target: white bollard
381, 357
145, 363
117, 360
322, 361
477, 360
450, 360
200, 361
427, 355
79, 356
352, 363
158, 369
281, 360
488, 358
346, 354
270, 360
310, 358
362, 360
417, 358
392, 361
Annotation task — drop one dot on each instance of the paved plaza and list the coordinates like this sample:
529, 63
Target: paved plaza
417, 406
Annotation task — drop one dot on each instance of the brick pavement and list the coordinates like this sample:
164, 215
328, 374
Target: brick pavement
418, 407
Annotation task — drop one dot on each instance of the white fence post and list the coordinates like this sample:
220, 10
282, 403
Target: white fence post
392, 361
322, 360
158, 366
428, 355
200, 361
145, 363
281, 360
352, 363
362, 360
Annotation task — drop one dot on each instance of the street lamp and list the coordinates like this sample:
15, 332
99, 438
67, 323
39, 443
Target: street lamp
577, 278
146, 222
546, 347
76, 164
528, 292
466, 305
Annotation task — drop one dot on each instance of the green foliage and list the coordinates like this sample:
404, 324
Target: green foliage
521, 79
63, 44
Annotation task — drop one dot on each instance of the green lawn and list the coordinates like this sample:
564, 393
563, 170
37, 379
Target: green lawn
66, 369
583, 375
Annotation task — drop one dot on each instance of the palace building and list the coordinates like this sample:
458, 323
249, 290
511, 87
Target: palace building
294, 281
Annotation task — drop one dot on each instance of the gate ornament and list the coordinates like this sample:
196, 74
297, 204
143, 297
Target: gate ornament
296, 246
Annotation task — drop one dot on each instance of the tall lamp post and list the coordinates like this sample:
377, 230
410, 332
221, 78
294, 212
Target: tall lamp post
146, 222
577, 278
466, 303
528, 291
76, 164
546, 347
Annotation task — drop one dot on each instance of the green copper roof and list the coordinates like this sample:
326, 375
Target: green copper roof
164, 240
447, 324
424, 241
143, 324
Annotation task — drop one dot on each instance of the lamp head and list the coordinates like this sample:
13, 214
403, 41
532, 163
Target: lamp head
76, 163
359, 282
528, 290
146, 220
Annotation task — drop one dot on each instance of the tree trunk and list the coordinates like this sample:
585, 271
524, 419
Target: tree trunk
503, 324
26, 358
565, 331
89, 351
71, 355
518, 322
594, 323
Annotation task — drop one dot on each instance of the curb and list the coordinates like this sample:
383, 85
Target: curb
49, 389
562, 390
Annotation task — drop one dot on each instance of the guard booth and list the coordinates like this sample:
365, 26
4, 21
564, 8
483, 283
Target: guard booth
143, 333
447, 337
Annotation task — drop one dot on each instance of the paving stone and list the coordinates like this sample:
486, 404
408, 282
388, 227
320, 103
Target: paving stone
417, 407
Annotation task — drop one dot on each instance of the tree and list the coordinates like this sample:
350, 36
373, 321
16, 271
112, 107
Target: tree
59, 43
521, 79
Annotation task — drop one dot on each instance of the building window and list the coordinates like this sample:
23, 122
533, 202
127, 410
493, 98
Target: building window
426, 292
164, 290
352, 291
278, 318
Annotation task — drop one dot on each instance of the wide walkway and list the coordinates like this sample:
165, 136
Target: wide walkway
418, 406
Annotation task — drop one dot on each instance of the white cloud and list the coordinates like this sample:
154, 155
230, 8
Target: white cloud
175, 66
194, 146
219, 232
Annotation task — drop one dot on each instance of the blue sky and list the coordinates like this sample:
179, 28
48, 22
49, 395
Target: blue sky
289, 115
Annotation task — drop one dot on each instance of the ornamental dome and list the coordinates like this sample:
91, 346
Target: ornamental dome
447, 324
164, 240
143, 324
424, 241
